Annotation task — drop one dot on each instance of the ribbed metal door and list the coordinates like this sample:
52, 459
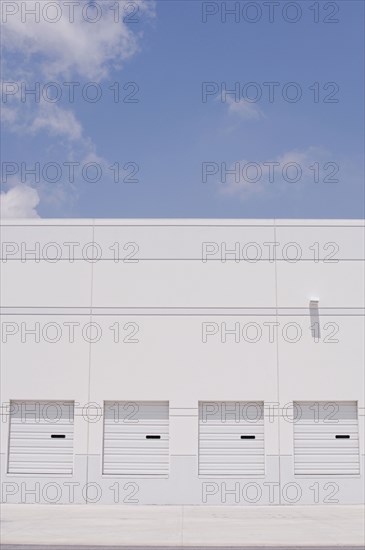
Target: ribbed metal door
136, 438
231, 439
41, 437
326, 438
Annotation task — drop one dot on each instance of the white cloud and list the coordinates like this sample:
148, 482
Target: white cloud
9, 115
290, 170
61, 51
19, 201
57, 121
244, 109
51, 118
66, 47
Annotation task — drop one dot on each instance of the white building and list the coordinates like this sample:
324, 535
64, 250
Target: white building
183, 361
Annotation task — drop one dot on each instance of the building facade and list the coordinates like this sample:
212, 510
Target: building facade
182, 361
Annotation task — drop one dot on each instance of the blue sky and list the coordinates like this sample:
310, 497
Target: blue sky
170, 137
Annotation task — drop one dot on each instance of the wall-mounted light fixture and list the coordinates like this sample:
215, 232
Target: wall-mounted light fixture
314, 318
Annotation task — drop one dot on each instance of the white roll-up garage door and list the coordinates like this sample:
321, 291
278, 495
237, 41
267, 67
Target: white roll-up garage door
41, 437
326, 438
136, 438
231, 439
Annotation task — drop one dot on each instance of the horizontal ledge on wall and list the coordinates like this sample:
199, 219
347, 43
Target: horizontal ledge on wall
269, 311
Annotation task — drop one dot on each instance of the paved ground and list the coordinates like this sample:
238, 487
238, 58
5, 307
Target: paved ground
181, 526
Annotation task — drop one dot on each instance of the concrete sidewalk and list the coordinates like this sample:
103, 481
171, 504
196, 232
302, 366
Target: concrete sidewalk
183, 525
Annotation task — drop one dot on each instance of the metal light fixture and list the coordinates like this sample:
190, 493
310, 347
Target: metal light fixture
314, 317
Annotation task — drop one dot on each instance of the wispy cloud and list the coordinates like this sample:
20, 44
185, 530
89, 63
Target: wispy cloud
244, 109
9, 115
57, 122
68, 47
248, 178
40, 117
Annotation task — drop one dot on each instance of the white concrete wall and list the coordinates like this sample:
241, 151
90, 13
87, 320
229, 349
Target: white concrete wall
168, 295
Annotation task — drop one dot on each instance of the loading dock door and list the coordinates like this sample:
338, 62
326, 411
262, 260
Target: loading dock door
326, 438
41, 437
231, 439
136, 438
